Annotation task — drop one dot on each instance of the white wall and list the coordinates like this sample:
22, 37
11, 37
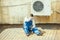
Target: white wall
14, 11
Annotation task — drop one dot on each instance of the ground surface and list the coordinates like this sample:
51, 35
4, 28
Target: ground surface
52, 32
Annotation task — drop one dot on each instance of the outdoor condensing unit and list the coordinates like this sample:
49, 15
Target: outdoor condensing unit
41, 7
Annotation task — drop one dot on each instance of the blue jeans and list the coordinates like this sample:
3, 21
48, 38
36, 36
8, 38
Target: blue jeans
34, 30
28, 28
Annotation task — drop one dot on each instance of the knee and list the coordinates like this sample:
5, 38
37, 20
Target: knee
36, 31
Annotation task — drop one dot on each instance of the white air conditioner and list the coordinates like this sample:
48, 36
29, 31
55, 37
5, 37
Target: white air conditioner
41, 7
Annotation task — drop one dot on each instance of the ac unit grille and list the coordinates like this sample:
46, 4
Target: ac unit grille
38, 6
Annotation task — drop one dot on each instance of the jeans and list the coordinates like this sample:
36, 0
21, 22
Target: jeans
34, 30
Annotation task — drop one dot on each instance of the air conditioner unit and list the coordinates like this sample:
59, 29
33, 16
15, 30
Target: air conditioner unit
41, 7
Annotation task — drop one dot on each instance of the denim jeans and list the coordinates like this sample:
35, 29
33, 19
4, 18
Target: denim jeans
34, 30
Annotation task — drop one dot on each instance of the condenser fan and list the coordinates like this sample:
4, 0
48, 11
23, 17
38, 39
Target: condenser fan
38, 6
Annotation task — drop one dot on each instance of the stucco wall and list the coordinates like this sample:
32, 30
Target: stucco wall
13, 12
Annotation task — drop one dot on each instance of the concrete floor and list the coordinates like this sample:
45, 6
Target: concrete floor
15, 32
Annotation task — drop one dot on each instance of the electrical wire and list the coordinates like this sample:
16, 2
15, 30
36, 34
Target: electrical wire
17, 5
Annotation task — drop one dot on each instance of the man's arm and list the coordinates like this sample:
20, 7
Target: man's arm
33, 23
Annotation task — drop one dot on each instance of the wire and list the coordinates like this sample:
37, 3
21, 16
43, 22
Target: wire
17, 5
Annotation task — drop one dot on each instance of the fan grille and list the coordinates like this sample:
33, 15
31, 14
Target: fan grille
38, 6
